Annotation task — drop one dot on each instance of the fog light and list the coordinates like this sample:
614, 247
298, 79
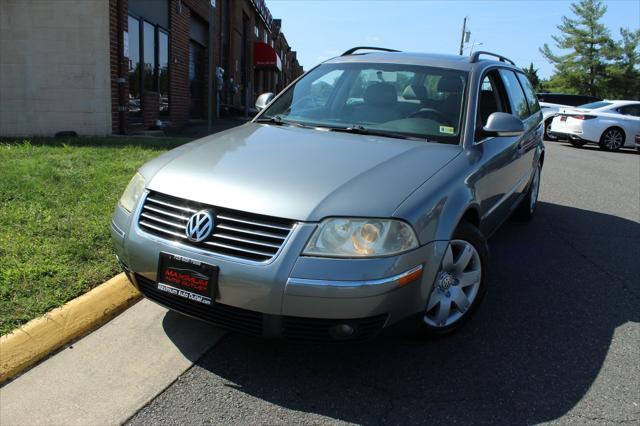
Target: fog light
342, 331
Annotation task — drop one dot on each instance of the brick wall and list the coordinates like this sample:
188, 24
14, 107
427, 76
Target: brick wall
179, 17
55, 73
119, 66
180, 14
150, 108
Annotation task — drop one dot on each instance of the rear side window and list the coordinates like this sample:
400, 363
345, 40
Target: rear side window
595, 105
519, 104
529, 93
632, 110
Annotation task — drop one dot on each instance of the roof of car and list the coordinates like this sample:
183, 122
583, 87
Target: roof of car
620, 101
461, 63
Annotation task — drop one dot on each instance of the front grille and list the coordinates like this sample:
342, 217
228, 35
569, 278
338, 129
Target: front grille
319, 330
237, 234
229, 317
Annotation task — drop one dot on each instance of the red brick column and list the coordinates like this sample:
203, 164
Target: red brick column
118, 23
179, 16
150, 108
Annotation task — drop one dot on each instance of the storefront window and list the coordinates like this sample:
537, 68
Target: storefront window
149, 56
163, 59
134, 67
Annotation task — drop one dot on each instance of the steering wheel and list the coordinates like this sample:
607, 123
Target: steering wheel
432, 113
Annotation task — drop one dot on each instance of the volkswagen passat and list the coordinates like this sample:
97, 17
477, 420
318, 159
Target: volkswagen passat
360, 196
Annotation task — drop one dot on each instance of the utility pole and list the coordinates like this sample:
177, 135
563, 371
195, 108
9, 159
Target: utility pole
464, 30
211, 89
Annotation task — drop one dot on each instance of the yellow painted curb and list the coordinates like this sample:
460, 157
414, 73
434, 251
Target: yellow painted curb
30, 343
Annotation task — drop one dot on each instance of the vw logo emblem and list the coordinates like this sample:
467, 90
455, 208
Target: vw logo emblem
199, 226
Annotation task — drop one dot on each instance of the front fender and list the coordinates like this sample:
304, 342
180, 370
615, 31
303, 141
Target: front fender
438, 205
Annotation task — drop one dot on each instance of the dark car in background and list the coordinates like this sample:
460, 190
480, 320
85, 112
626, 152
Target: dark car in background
566, 99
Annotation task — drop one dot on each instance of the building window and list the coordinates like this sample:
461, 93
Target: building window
163, 62
256, 31
148, 65
134, 67
149, 56
266, 37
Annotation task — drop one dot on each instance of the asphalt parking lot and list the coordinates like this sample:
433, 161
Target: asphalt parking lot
557, 338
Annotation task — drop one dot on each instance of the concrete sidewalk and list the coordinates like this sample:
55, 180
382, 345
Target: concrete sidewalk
106, 377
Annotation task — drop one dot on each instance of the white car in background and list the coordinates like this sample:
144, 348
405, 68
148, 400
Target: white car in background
610, 124
550, 110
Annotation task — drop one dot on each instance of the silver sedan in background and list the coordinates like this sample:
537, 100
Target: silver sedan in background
360, 197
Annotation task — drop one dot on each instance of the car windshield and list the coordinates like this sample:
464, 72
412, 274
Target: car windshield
595, 105
393, 100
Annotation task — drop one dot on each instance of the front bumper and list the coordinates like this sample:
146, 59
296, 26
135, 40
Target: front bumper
291, 293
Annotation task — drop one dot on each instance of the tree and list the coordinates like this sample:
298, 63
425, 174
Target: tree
623, 76
532, 75
583, 69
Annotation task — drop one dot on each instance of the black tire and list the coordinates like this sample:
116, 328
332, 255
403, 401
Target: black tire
547, 127
471, 234
577, 143
612, 132
527, 208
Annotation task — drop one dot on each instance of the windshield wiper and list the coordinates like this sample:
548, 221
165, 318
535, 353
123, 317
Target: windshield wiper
278, 121
361, 130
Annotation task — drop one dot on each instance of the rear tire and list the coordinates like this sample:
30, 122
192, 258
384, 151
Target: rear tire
527, 208
547, 130
612, 139
460, 284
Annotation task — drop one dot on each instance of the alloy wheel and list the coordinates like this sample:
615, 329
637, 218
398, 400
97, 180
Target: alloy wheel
612, 139
456, 286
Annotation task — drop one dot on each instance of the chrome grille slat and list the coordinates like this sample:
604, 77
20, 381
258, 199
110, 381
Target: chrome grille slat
236, 234
252, 222
237, 248
164, 203
166, 222
243, 240
250, 232
166, 213
157, 228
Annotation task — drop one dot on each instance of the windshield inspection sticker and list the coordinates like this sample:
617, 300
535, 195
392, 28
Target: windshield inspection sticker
446, 129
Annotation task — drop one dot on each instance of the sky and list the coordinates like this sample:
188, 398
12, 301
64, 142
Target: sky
321, 29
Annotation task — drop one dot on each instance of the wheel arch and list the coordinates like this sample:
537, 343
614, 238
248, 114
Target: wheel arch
624, 134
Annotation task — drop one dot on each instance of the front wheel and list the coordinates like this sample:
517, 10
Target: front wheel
460, 283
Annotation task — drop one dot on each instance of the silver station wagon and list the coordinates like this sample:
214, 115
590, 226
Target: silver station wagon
360, 197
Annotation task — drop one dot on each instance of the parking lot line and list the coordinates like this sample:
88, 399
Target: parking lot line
110, 374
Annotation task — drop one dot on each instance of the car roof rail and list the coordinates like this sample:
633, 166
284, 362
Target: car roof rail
355, 49
476, 56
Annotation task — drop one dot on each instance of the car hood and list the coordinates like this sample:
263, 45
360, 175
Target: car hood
302, 174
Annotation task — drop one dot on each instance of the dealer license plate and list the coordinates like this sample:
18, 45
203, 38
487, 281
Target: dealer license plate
187, 278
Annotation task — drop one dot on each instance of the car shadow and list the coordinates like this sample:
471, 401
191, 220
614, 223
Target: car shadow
559, 288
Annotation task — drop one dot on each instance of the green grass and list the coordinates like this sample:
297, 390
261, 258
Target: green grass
56, 201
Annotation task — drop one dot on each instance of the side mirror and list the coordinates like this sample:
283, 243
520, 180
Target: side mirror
263, 100
503, 124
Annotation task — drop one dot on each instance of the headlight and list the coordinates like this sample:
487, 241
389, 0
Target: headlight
341, 237
133, 192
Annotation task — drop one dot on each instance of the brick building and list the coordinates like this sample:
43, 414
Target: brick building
123, 66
